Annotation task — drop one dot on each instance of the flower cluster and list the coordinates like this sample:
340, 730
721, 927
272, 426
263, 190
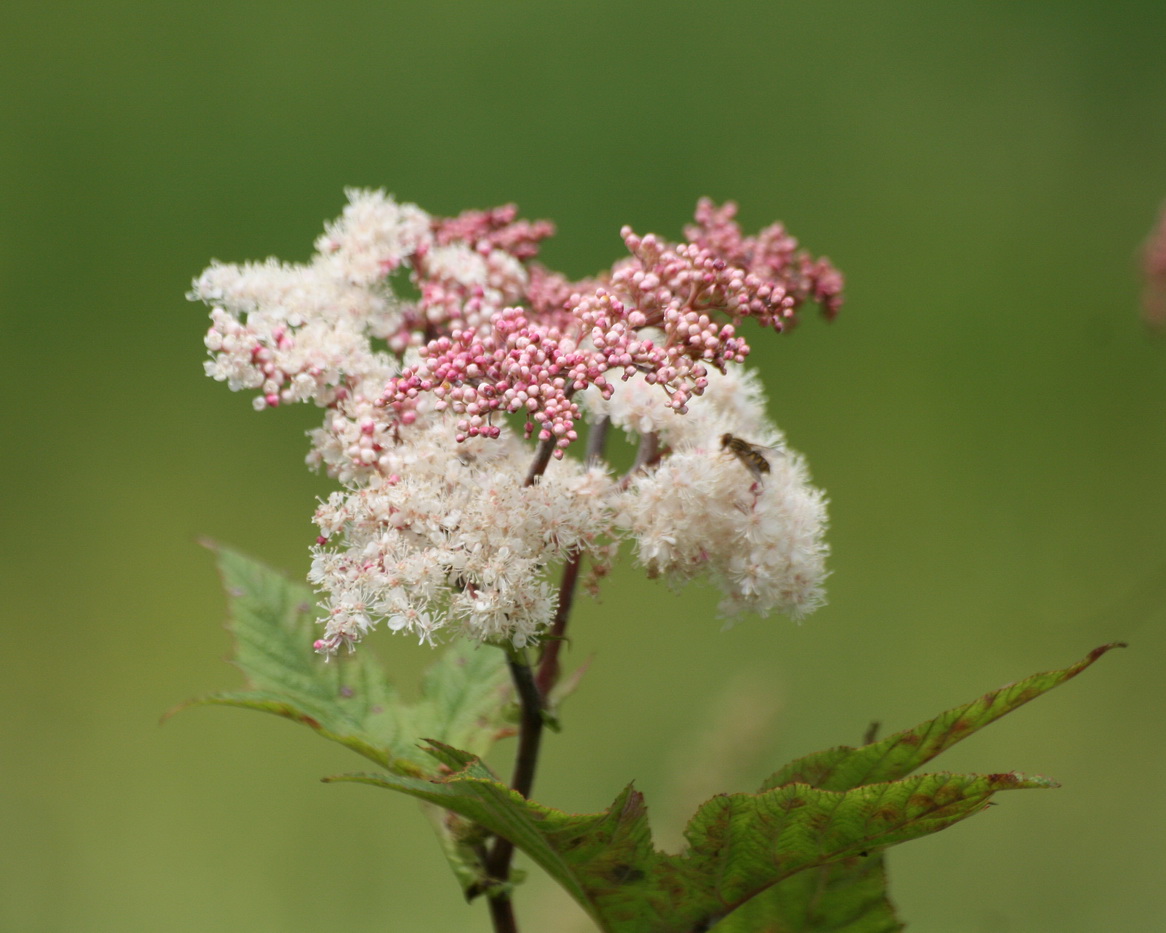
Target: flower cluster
453, 542
692, 296
446, 521
703, 513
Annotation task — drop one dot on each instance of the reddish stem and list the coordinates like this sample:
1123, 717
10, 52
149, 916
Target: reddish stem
532, 694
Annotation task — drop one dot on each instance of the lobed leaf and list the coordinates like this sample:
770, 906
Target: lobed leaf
465, 696
898, 755
739, 845
848, 896
802, 855
851, 895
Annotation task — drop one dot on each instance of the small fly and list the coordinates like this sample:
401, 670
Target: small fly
749, 454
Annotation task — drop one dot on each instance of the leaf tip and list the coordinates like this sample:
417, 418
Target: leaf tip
175, 710
1014, 780
1104, 649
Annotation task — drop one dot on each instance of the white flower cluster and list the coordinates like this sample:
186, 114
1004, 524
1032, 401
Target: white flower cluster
373, 236
701, 513
302, 332
453, 540
431, 536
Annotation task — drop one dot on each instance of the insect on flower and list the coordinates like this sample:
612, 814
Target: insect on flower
749, 454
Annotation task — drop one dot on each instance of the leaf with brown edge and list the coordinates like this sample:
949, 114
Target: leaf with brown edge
739, 845
898, 755
851, 895
847, 896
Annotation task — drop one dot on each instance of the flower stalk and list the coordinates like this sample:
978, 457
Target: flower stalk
530, 730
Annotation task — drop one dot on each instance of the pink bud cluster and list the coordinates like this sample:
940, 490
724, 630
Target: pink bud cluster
519, 366
772, 258
493, 333
497, 228
666, 313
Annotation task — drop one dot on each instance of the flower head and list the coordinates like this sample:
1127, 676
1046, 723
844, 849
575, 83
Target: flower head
446, 521
453, 542
702, 513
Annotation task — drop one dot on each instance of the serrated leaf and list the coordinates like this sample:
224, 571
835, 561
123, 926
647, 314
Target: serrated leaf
898, 755
465, 695
843, 897
851, 896
796, 825
738, 844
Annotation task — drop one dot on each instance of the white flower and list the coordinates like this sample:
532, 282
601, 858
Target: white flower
456, 542
702, 514
302, 332
373, 236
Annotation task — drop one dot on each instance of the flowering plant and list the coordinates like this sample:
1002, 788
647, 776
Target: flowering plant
455, 375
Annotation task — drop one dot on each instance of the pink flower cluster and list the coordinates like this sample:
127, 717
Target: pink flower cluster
497, 228
784, 277
667, 312
472, 266
518, 366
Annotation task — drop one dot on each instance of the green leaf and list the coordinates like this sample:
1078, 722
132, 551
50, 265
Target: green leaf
843, 897
738, 844
800, 856
898, 755
465, 695
851, 895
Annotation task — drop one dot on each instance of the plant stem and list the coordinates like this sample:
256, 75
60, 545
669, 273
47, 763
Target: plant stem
502, 914
542, 457
529, 738
648, 453
548, 665
533, 691
596, 441
531, 724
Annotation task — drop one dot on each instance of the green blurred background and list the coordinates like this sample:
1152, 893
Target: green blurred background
988, 416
